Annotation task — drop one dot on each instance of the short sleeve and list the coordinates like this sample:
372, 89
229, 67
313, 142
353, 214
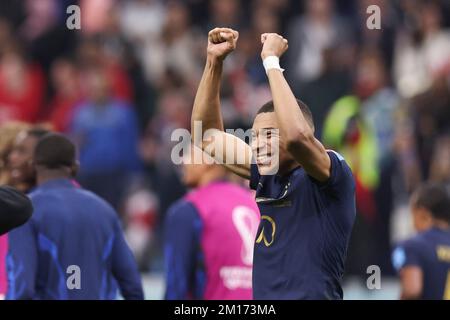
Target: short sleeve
341, 177
406, 254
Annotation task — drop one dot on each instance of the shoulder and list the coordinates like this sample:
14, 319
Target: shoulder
182, 218
341, 176
181, 210
410, 251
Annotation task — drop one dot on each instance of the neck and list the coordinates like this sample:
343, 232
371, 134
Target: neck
48, 175
441, 224
288, 168
211, 176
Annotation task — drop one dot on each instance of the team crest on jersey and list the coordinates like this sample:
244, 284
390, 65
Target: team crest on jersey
268, 230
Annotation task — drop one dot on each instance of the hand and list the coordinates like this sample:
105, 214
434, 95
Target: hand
273, 45
221, 41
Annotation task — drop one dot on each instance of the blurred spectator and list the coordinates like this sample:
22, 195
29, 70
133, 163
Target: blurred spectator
106, 132
319, 94
44, 31
309, 34
384, 40
430, 112
92, 54
8, 133
22, 88
422, 50
362, 128
67, 93
225, 13
94, 15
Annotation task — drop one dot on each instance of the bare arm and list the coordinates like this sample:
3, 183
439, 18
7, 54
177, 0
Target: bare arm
294, 129
206, 111
411, 278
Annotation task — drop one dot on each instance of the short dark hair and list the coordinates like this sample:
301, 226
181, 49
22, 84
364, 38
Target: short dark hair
268, 107
37, 133
434, 198
54, 151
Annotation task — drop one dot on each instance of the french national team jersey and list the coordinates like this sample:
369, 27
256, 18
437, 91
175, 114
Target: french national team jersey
302, 240
430, 251
72, 248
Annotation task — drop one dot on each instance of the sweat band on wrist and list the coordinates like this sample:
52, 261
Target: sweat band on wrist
272, 62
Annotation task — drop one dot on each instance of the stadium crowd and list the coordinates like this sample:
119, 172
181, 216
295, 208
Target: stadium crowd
119, 87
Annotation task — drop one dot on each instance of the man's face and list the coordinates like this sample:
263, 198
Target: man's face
20, 158
269, 148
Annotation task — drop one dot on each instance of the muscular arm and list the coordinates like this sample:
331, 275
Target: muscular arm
294, 129
223, 147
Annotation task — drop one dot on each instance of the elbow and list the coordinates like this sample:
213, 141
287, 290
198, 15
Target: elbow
298, 139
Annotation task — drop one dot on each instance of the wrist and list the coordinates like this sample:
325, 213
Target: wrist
272, 62
214, 61
266, 54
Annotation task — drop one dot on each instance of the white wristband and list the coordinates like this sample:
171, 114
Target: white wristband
272, 62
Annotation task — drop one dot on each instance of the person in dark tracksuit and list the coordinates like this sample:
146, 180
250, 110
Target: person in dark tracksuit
15, 209
73, 246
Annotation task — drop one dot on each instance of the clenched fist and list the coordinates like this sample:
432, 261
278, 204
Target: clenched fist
221, 41
273, 45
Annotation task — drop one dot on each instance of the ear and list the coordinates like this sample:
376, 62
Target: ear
74, 168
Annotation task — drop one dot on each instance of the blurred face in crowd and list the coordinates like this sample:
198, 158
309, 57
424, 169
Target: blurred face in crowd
98, 86
320, 8
370, 75
64, 77
265, 21
225, 10
20, 159
430, 17
13, 69
177, 17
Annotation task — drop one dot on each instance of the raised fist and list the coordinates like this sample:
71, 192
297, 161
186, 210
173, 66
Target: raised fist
221, 41
273, 45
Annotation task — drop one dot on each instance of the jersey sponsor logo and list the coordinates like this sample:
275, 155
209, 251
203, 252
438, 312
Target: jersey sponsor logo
269, 227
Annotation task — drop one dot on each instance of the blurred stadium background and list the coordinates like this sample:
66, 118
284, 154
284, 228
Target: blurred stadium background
380, 97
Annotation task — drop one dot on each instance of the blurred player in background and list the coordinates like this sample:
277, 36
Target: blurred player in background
8, 134
209, 236
307, 204
71, 229
423, 262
